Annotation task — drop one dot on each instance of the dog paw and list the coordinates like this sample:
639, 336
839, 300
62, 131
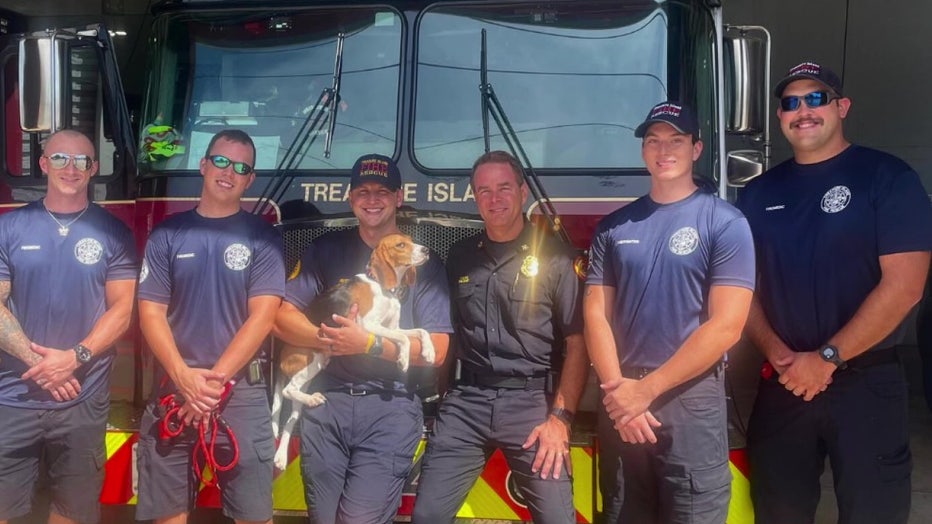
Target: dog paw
281, 458
404, 359
427, 349
315, 399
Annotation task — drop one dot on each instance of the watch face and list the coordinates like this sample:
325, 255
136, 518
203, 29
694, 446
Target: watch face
828, 352
83, 354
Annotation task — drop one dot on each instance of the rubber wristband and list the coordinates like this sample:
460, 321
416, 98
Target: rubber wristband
370, 342
376, 350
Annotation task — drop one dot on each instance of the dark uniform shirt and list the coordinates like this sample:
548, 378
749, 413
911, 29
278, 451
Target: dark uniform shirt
59, 290
206, 270
820, 230
514, 303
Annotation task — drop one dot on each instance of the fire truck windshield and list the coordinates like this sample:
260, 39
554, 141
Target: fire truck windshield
574, 78
574, 82
265, 75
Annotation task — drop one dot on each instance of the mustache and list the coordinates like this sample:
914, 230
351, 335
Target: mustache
805, 120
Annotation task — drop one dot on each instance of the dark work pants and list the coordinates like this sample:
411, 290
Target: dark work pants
860, 422
611, 481
356, 453
924, 341
684, 477
472, 423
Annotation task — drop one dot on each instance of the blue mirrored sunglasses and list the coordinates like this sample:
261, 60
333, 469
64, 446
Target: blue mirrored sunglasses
222, 162
813, 100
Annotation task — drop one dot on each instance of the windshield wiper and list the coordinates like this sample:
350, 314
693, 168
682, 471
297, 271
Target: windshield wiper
323, 114
491, 106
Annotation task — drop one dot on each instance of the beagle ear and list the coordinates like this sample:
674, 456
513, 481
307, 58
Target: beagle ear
381, 267
411, 276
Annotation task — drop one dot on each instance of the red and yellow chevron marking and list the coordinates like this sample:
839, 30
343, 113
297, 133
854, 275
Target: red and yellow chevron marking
740, 510
288, 487
120, 473
120, 479
492, 497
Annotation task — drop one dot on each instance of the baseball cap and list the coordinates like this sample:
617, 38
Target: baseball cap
812, 71
376, 168
677, 115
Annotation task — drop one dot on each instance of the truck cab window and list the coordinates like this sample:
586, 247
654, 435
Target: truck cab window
265, 75
575, 80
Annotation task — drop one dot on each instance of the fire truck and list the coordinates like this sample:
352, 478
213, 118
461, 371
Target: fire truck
432, 84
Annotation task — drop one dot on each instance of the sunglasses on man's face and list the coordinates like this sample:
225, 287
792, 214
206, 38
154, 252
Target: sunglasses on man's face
222, 162
813, 100
61, 161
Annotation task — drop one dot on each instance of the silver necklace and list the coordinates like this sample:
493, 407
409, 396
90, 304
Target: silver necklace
63, 229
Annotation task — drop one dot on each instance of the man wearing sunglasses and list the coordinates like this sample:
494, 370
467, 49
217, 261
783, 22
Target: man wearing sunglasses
211, 282
843, 235
67, 281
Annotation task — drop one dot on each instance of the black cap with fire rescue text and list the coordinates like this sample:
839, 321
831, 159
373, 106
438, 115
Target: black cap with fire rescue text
812, 71
376, 168
677, 115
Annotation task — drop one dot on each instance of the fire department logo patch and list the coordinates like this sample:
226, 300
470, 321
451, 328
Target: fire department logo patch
88, 251
836, 199
237, 257
143, 271
684, 241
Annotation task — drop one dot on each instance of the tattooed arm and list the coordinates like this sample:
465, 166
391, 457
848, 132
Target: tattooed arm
12, 338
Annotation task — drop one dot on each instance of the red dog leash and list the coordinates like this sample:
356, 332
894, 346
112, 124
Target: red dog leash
172, 425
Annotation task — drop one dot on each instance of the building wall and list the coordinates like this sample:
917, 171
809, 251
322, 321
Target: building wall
881, 51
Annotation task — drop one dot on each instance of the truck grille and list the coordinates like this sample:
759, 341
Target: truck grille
437, 233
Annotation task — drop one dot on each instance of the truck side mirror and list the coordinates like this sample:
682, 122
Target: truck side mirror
743, 166
41, 83
747, 79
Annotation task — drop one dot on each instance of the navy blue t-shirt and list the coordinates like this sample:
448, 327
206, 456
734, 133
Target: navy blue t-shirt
58, 290
820, 230
339, 255
206, 270
662, 260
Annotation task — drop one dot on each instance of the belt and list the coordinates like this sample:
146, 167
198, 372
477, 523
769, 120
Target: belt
635, 372
483, 380
361, 391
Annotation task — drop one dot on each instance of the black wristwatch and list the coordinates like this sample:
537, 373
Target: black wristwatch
82, 354
830, 353
566, 416
376, 349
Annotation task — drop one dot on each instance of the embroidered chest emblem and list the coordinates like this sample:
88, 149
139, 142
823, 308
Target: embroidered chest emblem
237, 257
836, 199
88, 251
530, 267
684, 241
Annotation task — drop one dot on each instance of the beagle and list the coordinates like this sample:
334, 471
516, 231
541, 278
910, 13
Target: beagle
391, 271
